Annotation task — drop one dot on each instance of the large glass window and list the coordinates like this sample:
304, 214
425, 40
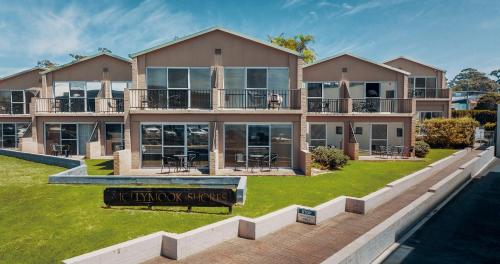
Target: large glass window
118, 89
257, 78
234, 78
178, 78
315, 90
114, 138
278, 78
151, 145
175, 141
17, 98
157, 78
317, 134
379, 136
258, 144
75, 96
9, 135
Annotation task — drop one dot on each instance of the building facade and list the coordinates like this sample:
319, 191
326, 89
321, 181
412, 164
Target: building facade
218, 97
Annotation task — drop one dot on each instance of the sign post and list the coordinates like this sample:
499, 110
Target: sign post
202, 197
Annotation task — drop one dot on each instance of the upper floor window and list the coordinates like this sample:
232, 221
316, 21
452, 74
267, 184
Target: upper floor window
118, 89
422, 82
13, 102
326, 90
271, 78
76, 96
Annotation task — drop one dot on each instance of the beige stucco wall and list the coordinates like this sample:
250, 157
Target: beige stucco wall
30, 79
89, 70
357, 71
200, 52
417, 69
434, 106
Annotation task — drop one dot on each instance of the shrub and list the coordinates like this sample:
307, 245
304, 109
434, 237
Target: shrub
488, 102
421, 149
329, 158
490, 126
482, 116
455, 132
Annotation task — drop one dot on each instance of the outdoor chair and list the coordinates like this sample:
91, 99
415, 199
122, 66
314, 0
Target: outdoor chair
66, 149
271, 162
275, 101
239, 159
168, 162
192, 158
55, 151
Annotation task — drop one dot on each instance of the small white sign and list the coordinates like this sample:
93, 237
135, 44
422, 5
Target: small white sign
306, 216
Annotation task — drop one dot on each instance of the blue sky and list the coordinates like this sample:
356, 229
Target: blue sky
451, 34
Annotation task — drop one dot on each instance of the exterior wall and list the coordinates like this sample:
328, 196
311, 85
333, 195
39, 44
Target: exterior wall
30, 79
89, 70
199, 52
417, 69
434, 106
357, 70
220, 119
405, 122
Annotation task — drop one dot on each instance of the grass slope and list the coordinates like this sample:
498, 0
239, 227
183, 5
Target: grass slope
42, 223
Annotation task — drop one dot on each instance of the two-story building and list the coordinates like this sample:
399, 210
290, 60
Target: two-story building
356, 103
218, 101
81, 107
427, 84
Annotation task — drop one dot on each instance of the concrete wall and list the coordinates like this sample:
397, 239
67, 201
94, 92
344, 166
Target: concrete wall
45, 159
261, 226
371, 244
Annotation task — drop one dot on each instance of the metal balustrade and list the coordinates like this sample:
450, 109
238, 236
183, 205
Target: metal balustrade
259, 99
170, 99
377, 105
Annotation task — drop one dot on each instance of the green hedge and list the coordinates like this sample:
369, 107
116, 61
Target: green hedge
454, 132
482, 116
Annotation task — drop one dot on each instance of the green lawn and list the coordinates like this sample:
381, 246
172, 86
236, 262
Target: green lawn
99, 166
42, 223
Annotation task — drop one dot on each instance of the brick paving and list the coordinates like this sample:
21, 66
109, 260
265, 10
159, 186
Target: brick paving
301, 243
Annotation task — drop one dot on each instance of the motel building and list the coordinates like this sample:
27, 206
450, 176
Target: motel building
222, 102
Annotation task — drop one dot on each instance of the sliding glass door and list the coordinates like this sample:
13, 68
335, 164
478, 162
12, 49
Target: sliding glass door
255, 142
174, 140
72, 137
114, 138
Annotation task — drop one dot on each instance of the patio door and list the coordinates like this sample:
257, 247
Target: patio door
378, 136
77, 97
372, 95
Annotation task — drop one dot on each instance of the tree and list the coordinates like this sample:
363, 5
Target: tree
488, 101
104, 50
47, 64
496, 74
76, 57
473, 80
299, 43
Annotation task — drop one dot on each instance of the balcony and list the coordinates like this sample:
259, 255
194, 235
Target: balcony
12, 108
366, 105
327, 105
170, 99
422, 93
377, 105
258, 99
79, 105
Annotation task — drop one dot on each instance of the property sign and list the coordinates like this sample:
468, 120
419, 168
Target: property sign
203, 197
306, 216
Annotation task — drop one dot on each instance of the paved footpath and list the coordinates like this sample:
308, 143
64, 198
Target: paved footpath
301, 243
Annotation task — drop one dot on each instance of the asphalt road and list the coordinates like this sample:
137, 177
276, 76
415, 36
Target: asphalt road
466, 230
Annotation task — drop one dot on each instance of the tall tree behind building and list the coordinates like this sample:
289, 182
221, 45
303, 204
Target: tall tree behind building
299, 43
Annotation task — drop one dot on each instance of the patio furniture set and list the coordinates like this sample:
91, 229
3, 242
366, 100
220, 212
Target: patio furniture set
393, 151
60, 150
179, 162
256, 161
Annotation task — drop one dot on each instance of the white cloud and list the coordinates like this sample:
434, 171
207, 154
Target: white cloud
349, 9
43, 31
290, 3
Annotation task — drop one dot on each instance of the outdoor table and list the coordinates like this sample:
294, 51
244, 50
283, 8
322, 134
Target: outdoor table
182, 160
399, 149
258, 158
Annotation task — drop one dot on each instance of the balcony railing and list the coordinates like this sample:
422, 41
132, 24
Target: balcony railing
110, 105
429, 93
259, 99
155, 99
377, 105
65, 105
327, 105
8, 108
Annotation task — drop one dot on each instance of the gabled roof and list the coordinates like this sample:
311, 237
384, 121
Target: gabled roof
86, 59
418, 62
359, 58
175, 41
21, 73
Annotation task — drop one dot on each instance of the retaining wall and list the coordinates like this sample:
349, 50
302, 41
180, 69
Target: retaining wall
41, 158
373, 243
371, 201
362, 250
